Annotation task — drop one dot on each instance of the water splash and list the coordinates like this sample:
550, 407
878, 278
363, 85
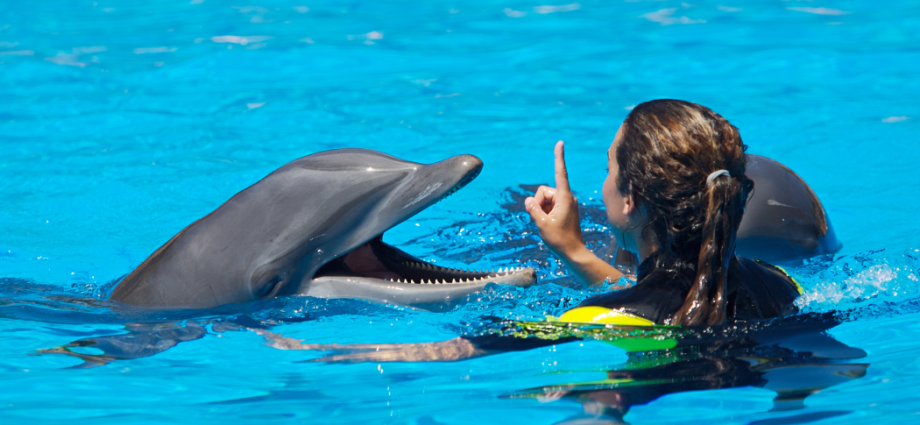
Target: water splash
851, 282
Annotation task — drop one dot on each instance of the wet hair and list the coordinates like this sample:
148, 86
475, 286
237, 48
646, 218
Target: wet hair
667, 151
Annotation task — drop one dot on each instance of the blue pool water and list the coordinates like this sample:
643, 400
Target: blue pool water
120, 124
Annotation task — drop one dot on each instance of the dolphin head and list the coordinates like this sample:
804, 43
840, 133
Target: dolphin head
314, 227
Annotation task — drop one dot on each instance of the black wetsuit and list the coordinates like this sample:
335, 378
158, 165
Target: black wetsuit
756, 290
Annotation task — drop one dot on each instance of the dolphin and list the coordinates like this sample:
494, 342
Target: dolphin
784, 221
314, 227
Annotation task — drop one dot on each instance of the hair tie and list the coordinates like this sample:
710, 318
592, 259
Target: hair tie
714, 175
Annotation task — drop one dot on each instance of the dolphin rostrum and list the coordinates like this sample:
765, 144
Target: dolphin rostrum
314, 227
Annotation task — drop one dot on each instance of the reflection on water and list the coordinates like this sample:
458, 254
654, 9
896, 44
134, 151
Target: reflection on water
794, 359
142, 340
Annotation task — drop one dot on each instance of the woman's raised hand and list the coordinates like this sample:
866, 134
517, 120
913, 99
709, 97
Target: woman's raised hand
555, 212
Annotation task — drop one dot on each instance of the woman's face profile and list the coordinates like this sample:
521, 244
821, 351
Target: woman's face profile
618, 205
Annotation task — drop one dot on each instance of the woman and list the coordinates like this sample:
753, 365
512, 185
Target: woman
675, 194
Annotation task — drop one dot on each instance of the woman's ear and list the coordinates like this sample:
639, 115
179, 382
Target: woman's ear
630, 206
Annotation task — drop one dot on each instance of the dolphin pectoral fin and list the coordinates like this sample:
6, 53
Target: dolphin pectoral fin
140, 341
89, 360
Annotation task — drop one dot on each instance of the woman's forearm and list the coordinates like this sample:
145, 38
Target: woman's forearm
588, 267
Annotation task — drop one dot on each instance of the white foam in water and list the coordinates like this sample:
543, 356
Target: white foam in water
876, 283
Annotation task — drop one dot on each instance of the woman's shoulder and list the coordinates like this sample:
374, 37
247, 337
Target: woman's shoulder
757, 290
760, 290
748, 267
659, 292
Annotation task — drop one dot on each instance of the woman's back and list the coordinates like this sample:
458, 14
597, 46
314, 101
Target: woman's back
755, 290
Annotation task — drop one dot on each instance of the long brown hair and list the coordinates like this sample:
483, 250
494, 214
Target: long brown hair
667, 151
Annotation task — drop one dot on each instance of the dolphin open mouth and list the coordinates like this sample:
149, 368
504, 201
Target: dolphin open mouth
379, 260
377, 271
376, 262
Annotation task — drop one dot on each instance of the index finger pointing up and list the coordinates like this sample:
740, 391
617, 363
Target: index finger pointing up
562, 176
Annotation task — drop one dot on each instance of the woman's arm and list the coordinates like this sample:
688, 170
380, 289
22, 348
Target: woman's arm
555, 212
460, 348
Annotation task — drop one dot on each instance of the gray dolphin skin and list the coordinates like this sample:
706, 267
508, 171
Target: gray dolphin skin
314, 227
784, 221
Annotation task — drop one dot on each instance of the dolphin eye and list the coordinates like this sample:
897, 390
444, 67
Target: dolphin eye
268, 288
